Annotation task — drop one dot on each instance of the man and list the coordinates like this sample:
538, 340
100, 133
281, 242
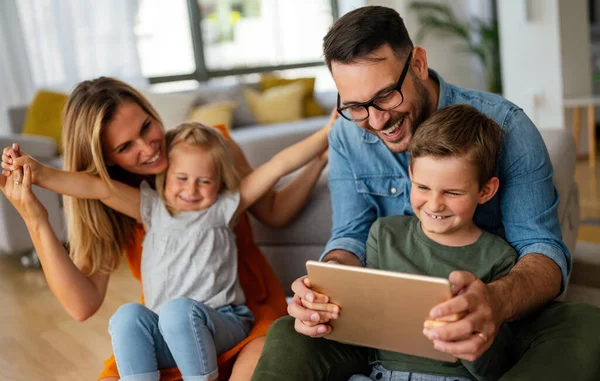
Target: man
385, 91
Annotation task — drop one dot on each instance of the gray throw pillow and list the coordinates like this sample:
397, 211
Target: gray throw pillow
242, 115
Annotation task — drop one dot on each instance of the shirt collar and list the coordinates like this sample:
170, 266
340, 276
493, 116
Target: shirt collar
444, 98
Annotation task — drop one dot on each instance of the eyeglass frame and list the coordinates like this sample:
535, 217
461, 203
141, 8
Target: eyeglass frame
371, 102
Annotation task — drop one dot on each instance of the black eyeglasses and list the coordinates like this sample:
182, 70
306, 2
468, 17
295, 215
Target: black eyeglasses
382, 102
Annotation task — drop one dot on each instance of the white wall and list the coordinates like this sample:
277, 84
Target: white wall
545, 53
444, 54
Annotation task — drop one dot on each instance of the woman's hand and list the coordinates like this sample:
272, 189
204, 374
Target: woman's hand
13, 159
17, 189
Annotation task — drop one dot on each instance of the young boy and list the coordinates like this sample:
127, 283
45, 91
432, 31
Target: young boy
453, 158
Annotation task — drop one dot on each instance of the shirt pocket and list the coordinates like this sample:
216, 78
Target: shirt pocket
387, 186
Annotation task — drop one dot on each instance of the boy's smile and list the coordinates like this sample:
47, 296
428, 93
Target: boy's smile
444, 196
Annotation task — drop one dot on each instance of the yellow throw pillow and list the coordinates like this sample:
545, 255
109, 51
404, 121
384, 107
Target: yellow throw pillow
214, 113
278, 104
44, 116
311, 106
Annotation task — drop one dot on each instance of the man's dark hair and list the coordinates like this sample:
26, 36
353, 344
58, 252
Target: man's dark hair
360, 32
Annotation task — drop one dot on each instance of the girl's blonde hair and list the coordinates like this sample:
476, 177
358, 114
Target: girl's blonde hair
97, 234
209, 140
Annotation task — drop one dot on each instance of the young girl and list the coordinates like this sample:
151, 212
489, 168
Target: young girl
194, 307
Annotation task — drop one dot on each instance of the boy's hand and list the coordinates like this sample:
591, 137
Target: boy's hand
470, 336
13, 159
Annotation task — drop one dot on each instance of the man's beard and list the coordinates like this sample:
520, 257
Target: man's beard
423, 107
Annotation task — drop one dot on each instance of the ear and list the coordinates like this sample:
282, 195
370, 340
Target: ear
419, 63
410, 172
489, 190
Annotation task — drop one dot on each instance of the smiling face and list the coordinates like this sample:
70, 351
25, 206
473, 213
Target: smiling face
363, 80
444, 196
134, 141
193, 181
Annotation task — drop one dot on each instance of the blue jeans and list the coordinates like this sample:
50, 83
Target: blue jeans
379, 373
185, 333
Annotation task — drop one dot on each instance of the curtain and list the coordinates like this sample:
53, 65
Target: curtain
55, 44
16, 84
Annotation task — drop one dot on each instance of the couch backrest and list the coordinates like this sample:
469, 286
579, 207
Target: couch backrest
16, 118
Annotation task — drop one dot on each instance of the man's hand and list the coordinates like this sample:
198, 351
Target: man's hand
311, 309
470, 336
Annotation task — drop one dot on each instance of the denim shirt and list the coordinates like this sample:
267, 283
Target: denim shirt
368, 181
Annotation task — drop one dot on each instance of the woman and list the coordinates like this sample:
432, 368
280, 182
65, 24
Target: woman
112, 131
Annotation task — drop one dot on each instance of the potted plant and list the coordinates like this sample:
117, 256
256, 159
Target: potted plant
479, 37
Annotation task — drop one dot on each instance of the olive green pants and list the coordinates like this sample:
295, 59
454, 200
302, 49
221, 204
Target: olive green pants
559, 342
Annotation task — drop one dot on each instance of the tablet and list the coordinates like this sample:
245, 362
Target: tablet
380, 309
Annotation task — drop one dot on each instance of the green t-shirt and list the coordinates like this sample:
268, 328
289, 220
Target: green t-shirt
397, 243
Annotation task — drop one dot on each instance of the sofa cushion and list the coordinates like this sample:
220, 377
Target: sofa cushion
278, 104
214, 113
242, 115
44, 116
310, 107
173, 108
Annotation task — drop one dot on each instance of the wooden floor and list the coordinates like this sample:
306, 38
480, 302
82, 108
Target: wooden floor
39, 341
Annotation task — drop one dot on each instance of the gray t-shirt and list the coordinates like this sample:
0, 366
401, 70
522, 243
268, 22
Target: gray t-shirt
191, 254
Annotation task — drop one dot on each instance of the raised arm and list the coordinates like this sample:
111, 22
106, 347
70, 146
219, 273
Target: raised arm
278, 207
80, 296
117, 196
290, 159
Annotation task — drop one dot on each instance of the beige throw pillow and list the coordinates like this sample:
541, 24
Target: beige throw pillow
277, 104
214, 113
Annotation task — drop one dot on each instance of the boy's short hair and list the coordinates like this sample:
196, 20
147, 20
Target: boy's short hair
460, 131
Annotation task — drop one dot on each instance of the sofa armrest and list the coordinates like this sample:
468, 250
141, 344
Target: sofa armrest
40, 147
561, 148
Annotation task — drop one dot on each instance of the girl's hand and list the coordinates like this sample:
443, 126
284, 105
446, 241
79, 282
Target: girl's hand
17, 189
13, 159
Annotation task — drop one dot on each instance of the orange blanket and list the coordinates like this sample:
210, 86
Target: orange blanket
264, 296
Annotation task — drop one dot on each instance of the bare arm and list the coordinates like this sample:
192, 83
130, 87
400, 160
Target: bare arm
277, 208
531, 283
122, 198
79, 295
260, 181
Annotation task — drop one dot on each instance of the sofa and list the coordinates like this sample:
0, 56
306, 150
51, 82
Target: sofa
289, 248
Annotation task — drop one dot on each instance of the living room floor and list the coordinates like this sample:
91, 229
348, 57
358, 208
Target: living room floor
40, 341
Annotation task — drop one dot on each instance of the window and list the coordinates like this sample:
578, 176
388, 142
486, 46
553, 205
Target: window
200, 39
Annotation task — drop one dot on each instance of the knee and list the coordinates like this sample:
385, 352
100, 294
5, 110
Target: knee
176, 316
282, 332
129, 317
282, 327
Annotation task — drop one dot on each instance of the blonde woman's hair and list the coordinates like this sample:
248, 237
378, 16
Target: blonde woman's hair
209, 140
98, 235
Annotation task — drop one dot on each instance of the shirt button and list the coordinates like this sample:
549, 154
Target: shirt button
393, 190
